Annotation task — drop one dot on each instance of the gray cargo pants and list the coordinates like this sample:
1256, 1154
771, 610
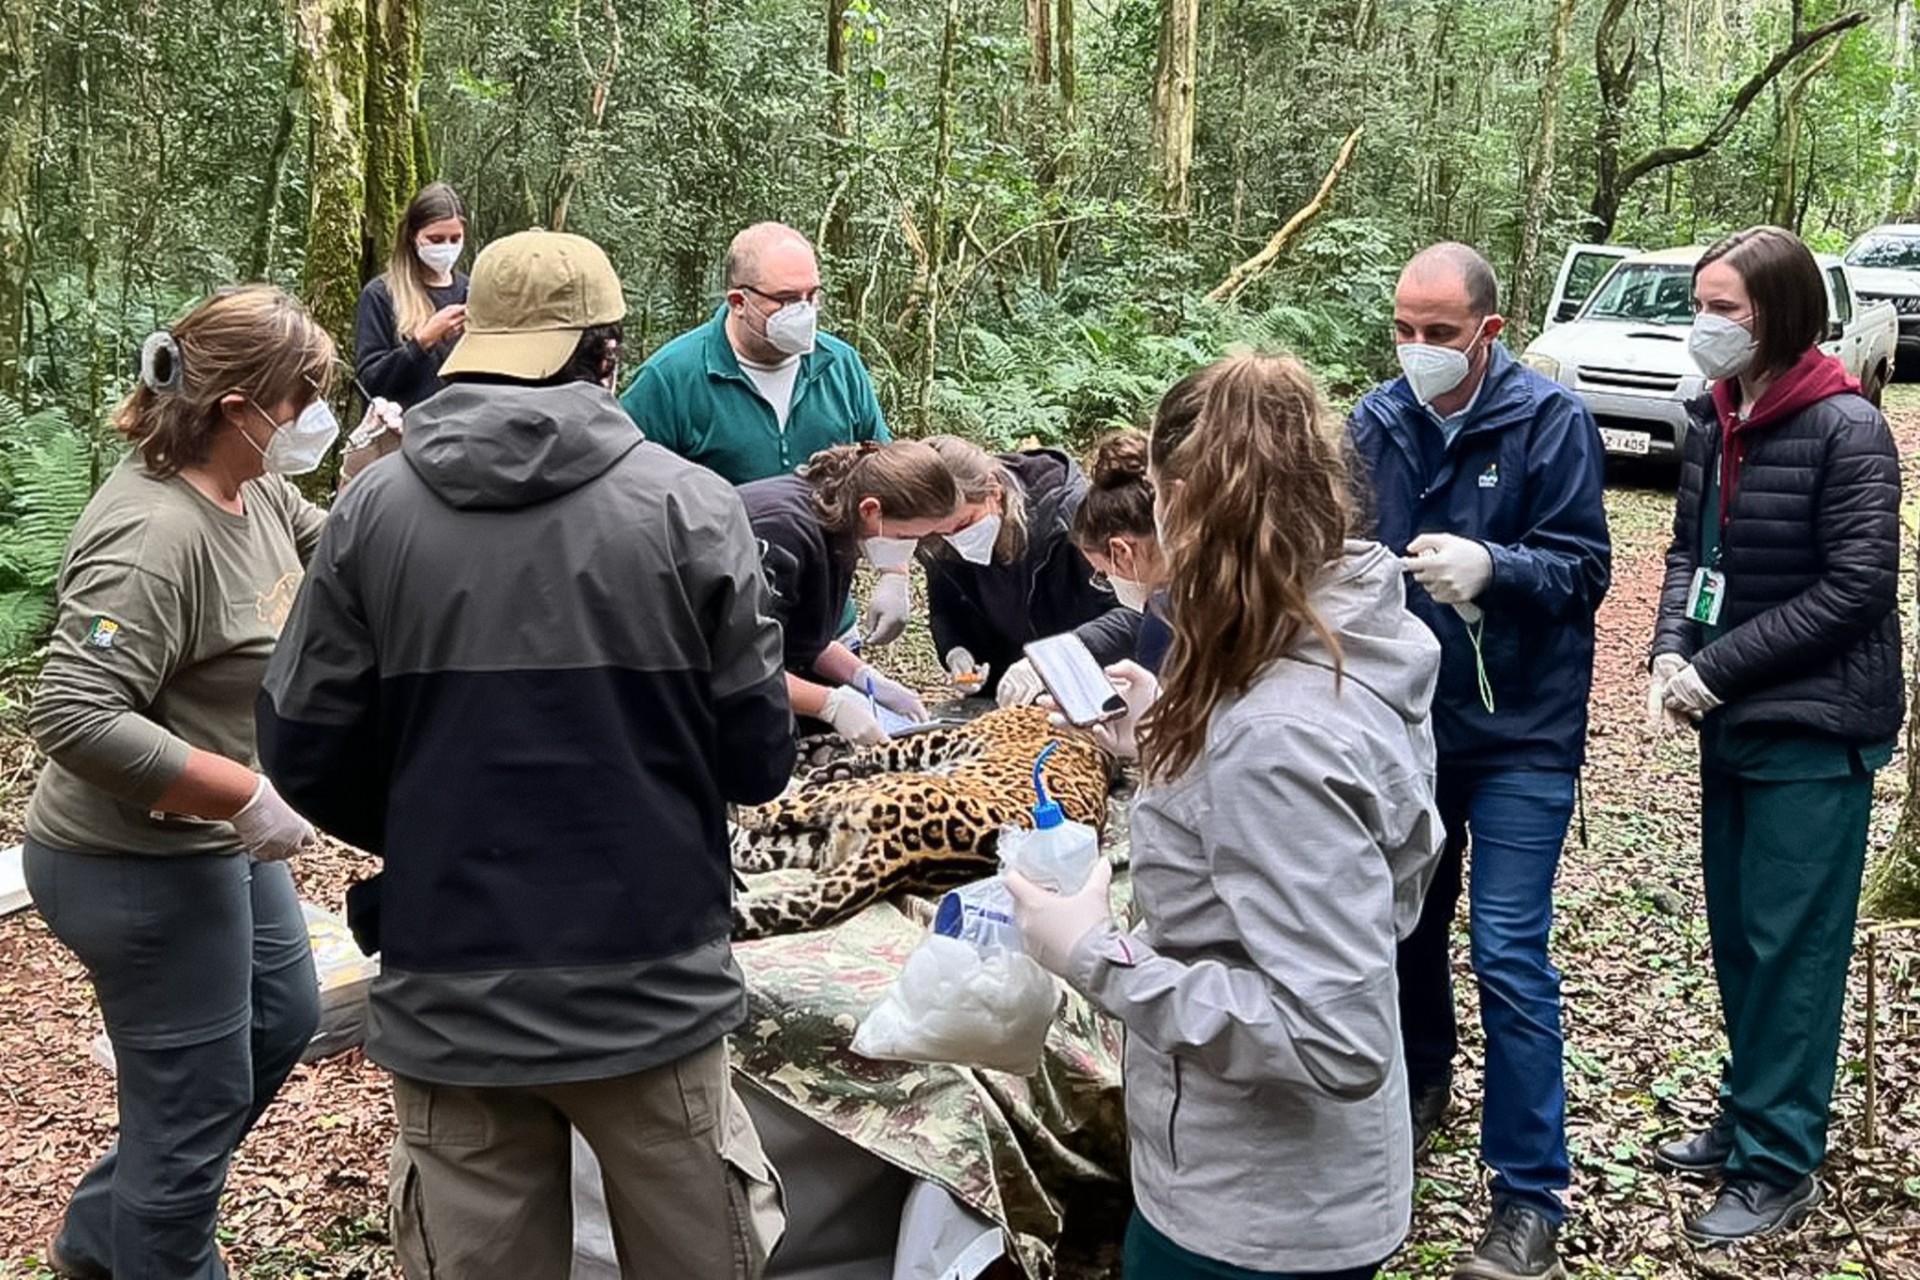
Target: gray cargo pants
205, 980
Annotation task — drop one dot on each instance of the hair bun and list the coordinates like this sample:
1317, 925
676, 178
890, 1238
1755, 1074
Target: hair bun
1119, 460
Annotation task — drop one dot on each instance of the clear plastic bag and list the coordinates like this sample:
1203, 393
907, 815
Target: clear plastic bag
968, 994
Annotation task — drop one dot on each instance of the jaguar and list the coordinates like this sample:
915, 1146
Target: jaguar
919, 814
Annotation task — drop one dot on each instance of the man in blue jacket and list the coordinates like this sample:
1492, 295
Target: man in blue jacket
1487, 478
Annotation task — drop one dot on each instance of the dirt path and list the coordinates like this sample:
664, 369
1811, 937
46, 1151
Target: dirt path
307, 1192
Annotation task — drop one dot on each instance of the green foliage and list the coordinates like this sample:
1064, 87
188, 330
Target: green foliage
46, 477
1064, 303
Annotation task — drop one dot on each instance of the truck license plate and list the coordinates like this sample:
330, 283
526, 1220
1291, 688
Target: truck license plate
1618, 441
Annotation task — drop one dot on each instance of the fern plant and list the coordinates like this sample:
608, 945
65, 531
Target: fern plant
46, 477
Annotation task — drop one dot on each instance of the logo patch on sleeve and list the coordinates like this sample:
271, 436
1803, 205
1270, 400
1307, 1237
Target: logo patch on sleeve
102, 633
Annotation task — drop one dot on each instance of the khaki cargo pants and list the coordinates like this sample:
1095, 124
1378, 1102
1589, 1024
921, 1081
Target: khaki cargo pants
481, 1179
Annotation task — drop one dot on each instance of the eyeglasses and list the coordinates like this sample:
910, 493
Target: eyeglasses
812, 295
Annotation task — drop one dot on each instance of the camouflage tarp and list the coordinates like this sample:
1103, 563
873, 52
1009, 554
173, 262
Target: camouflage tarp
1006, 1146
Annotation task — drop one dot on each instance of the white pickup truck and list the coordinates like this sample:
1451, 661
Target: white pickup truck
1621, 341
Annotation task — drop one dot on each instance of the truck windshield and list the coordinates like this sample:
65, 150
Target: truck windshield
1899, 252
1654, 293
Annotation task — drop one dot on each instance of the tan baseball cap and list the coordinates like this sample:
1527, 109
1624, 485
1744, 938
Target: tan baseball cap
531, 296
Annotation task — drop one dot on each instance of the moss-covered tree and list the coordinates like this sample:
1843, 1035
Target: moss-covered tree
333, 51
391, 103
17, 18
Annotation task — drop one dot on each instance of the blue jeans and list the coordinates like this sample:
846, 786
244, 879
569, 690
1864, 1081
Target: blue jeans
1516, 820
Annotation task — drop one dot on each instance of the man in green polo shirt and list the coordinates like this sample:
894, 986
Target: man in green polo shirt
757, 390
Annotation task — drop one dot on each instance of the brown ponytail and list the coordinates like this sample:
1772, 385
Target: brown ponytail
1261, 510
907, 478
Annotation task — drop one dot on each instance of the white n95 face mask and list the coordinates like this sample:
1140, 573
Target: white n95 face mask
297, 447
1721, 347
1433, 371
791, 329
440, 257
974, 544
889, 553
1129, 593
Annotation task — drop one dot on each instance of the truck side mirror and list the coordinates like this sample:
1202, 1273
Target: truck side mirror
1567, 310
1835, 330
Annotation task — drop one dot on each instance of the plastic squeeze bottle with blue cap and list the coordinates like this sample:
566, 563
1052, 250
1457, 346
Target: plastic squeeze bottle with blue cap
1057, 854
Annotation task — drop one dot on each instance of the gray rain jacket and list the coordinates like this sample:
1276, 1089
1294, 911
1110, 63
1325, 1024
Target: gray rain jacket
1266, 1088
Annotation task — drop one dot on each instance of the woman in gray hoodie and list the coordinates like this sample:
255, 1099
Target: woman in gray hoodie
1282, 843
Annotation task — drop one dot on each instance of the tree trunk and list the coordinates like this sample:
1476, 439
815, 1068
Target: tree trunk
599, 93
838, 236
333, 52
391, 97
1540, 182
1256, 266
1173, 107
936, 238
266, 210
17, 75
1043, 135
1615, 82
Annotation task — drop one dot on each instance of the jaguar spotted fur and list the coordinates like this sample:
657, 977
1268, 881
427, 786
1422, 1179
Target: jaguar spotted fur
921, 814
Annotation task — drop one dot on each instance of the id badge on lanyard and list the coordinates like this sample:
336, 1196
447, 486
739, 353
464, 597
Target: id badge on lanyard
1706, 595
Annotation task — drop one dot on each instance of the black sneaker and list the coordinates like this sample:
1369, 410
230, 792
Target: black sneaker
72, 1269
1429, 1110
1749, 1209
1519, 1245
1701, 1154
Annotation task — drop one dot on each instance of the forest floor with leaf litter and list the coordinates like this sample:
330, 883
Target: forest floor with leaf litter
307, 1192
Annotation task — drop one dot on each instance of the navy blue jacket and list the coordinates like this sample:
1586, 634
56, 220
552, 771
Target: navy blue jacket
1523, 476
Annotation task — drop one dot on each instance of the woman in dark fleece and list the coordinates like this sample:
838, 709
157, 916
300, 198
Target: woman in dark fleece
1011, 572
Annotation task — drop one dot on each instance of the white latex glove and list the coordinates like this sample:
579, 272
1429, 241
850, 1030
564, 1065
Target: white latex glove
268, 827
888, 609
1659, 719
967, 676
1453, 569
847, 712
1138, 688
1052, 924
1020, 685
382, 416
890, 694
1688, 695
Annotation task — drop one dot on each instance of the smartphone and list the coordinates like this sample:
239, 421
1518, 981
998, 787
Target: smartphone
1079, 687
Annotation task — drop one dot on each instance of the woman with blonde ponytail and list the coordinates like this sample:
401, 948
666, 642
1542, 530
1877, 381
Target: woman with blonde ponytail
1282, 842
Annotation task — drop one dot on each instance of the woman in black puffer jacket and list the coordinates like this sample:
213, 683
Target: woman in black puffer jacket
1779, 637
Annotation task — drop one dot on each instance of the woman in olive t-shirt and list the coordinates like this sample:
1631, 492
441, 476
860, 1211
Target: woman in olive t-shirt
154, 848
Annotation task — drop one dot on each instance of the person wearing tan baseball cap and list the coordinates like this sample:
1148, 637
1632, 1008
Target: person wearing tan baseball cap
531, 297
589, 673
